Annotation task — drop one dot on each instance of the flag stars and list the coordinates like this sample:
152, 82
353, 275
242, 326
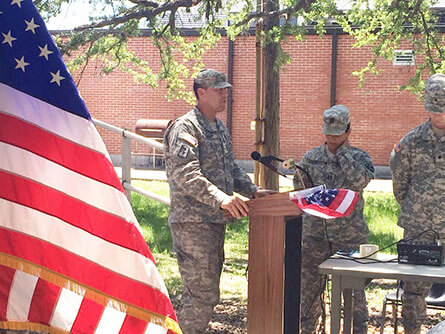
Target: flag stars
8, 38
31, 26
56, 77
17, 2
44, 52
21, 63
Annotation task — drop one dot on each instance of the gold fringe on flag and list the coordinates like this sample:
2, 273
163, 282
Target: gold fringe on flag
83, 290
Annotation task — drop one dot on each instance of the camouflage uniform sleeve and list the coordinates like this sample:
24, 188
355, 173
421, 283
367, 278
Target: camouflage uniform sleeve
185, 168
358, 167
242, 182
399, 164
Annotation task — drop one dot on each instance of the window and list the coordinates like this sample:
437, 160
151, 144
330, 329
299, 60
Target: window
404, 57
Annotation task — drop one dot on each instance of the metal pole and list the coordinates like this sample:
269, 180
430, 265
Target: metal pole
129, 134
149, 194
230, 79
126, 163
334, 66
259, 95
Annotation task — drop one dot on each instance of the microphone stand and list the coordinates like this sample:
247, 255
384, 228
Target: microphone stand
267, 161
272, 167
306, 173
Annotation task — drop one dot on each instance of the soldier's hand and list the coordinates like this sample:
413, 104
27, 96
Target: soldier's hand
263, 192
236, 206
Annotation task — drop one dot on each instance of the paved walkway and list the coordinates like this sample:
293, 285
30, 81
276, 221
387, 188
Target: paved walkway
142, 174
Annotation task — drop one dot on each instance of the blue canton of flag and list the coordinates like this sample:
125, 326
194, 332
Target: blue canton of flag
324, 198
30, 60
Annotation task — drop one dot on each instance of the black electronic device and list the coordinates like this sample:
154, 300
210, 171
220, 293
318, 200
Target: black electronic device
415, 252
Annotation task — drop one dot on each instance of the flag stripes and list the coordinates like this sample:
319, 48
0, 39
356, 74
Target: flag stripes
84, 315
43, 302
54, 120
88, 317
340, 206
325, 203
66, 309
342, 203
64, 152
6, 278
72, 211
20, 295
131, 323
69, 303
28, 241
110, 322
66, 181
72, 256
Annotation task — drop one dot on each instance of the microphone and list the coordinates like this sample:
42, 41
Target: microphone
267, 161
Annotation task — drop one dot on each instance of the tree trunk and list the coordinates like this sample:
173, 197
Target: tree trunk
272, 98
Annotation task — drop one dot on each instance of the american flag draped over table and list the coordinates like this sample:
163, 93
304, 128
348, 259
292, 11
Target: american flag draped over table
72, 258
325, 203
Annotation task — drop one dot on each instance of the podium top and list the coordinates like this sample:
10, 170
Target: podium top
277, 204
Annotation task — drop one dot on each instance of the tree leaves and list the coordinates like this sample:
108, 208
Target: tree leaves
383, 25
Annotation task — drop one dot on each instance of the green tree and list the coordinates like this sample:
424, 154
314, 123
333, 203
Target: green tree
386, 24
381, 24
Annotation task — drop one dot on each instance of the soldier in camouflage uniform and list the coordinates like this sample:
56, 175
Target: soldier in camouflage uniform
337, 165
202, 175
418, 174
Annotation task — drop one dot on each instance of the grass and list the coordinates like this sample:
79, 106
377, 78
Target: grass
152, 216
381, 212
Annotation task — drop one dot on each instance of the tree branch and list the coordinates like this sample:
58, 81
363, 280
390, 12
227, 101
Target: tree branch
415, 10
172, 21
146, 3
168, 6
430, 39
84, 65
302, 4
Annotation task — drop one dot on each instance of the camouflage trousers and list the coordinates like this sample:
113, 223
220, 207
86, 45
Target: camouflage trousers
413, 304
200, 253
414, 293
314, 252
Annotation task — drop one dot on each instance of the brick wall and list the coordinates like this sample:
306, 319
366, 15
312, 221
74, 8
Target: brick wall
380, 113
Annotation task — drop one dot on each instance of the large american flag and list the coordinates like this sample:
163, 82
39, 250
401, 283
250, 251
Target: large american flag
72, 258
325, 203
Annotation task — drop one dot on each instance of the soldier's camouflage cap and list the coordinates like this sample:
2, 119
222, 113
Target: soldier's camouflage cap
435, 94
211, 78
335, 120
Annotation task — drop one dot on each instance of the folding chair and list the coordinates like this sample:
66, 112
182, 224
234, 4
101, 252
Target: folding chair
434, 300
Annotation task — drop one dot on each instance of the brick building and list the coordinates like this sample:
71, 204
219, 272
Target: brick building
380, 113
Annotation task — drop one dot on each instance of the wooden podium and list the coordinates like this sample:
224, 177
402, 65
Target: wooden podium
269, 245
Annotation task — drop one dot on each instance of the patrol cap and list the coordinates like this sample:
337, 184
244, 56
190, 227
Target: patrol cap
211, 78
335, 120
435, 94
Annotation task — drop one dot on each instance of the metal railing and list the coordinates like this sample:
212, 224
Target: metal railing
127, 136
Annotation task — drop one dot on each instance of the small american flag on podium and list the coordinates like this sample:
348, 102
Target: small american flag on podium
325, 203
